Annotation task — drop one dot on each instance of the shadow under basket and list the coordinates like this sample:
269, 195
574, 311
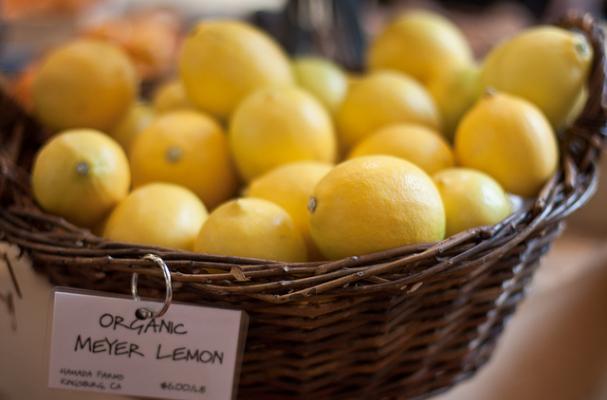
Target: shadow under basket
404, 323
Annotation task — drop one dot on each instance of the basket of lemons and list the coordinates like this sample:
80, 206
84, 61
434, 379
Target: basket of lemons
379, 229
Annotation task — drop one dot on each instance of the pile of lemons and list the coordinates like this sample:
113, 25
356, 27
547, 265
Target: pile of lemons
251, 154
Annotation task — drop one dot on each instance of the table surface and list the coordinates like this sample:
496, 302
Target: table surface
555, 347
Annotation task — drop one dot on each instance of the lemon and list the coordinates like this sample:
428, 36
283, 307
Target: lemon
187, 148
290, 186
353, 78
546, 65
454, 92
254, 228
577, 108
422, 146
138, 117
279, 125
420, 44
471, 199
510, 139
381, 99
325, 80
223, 61
80, 175
374, 203
84, 84
170, 97
158, 214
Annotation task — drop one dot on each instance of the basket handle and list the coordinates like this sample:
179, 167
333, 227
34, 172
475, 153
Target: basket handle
583, 141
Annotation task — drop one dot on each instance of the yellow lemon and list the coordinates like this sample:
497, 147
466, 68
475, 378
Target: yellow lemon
158, 214
454, 92
86, 83
374, 203
471, 199
353, 78
380, 99
254, 228
510, 139
546, 65
279, 125
170, 97
223, 61
422, 146
80, 175
138, 117
577, 108
186, 148
420, 44
325, 80
290, 186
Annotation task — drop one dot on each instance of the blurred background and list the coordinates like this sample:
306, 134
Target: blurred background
556, 347
151, 29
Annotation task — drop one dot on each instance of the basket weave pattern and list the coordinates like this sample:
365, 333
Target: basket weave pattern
403, 323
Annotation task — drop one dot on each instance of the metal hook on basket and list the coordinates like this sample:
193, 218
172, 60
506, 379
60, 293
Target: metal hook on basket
145, 313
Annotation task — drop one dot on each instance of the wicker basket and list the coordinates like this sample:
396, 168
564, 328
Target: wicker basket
404, 323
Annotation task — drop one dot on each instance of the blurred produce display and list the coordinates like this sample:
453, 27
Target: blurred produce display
150, 39
14, 9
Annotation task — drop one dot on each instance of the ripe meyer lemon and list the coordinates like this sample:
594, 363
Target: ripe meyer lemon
577, 108
171, 96
374, 203
510, 139
420, 44
546, 65
422, 146
290, 186
158, 214
80, 175
223, 61
279, 125
454, 92
353, 78
471, 199
84, 84
325, 80
381, 99
138, 117
186, 148
253, 228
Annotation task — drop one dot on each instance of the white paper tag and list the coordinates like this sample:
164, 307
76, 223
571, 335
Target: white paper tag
98, 344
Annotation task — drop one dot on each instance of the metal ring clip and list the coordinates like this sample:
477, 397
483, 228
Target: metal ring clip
146, 313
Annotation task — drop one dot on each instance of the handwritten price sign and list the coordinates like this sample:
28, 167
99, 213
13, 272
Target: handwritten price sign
98, 344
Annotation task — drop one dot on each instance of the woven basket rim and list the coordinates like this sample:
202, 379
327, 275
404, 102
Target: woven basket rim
281, 282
